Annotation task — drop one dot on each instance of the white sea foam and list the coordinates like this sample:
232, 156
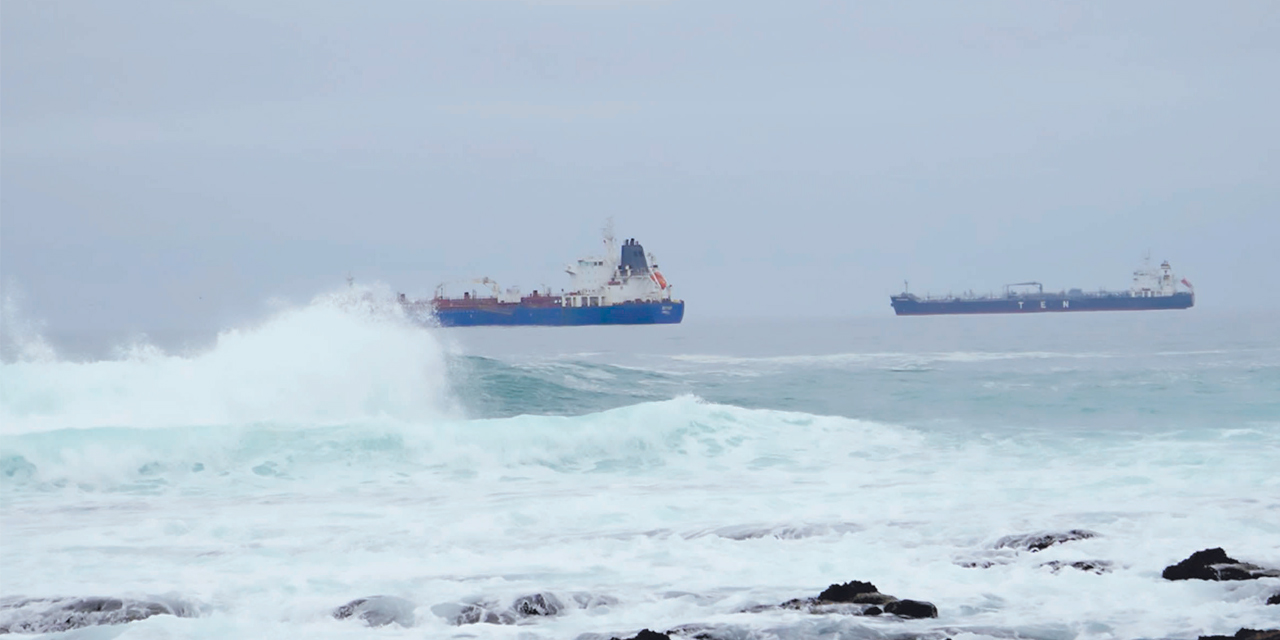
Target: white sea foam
620, 503
347, 356
317, 458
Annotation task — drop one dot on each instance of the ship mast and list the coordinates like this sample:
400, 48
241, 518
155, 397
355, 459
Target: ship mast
610, 245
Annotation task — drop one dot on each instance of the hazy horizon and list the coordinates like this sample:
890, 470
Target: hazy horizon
168, 168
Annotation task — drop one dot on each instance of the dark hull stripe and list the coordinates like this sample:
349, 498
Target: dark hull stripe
908, 307
629, 313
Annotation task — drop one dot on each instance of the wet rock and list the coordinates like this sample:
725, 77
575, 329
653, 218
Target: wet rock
816, 606
646, 634
378, 611
1035, 542
1248, 634
538, 604
51, 615
462, 613
911, 609
1092, 566
855, 598
855, 592
847, 592
982, 563
712, 632
1275, 599
528, 606
803, 628
1215, 564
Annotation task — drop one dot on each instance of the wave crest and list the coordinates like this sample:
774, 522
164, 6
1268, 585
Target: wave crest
684, 436
348, 355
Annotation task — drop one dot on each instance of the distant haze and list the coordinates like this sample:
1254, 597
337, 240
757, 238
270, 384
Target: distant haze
172, 166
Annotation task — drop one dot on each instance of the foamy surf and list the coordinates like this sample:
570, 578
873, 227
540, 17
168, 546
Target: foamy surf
348, 355
318, 473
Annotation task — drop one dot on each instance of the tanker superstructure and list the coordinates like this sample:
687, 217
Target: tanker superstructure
622, 287
1152, 289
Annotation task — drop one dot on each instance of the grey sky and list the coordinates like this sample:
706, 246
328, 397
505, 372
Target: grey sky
173, 165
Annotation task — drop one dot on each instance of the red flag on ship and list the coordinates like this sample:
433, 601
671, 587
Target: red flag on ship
1184, 281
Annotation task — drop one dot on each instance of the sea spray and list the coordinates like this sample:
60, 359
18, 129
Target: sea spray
21, 339
348, 356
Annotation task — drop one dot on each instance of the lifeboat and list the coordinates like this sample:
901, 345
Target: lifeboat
657, 277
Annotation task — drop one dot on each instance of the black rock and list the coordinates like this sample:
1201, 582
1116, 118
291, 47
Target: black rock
538, 604
1093, 566
1034, 542
1248, 634
52, 615
646, 634
911, 609
460, 613
1215, 564
855, 599
378, 611
873, 598
845, 592
1275, 599
794, 603
706, 632
822, 607
488, 612
978, 564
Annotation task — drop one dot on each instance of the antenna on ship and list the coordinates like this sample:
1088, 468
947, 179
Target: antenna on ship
608, 231
610, 244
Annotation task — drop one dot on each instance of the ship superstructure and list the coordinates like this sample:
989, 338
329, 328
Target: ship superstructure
623, 286
1152, 288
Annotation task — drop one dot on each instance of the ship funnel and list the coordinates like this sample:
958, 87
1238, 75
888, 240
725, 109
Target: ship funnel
633, 258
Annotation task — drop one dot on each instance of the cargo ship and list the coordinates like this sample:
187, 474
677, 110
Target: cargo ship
1151, 289
622, 287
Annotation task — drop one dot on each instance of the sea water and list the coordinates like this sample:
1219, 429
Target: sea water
667, 477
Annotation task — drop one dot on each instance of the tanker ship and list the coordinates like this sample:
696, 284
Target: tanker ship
1151, 289
622, 287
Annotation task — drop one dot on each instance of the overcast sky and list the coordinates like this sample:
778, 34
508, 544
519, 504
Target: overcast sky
172, 165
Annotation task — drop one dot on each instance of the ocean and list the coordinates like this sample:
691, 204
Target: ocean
592, 482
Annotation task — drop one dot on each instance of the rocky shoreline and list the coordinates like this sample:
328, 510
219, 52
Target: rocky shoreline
852, 599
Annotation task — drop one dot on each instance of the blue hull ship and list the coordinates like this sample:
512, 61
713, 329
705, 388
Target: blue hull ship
623, 287
1151, 290
515, 314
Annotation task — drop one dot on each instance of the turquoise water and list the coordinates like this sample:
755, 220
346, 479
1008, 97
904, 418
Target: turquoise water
1101, 371
670, 475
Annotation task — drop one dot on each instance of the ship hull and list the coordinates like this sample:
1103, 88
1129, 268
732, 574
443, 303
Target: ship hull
907, 306
518, 315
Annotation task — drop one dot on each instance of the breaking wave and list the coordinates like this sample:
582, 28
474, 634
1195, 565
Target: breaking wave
680, 435
347, 356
